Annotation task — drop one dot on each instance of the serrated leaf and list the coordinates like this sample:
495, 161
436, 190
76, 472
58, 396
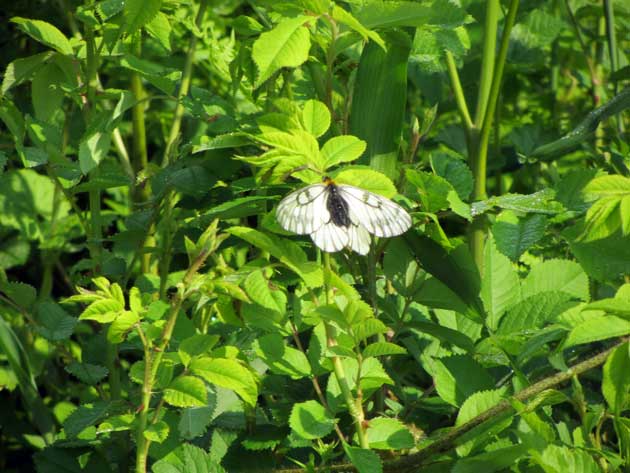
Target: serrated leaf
85, 416
186, 391
87, 372
119, 328
405, 13
311, 420
615, 380
286, 45
198, 344
45, 33
228, 374
597, 328
500, 286
561, 458
457, 377
364, 460
24, 295
282, 359
195, 420
533, 312
157, 432
258, 289
346, 18
557, 275
102, 311
138, 13
432, 190
382, 349
514, 235
389, 434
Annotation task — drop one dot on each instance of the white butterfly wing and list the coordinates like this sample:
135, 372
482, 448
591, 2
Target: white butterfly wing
379, 215
329, 237
304, 210
359, 239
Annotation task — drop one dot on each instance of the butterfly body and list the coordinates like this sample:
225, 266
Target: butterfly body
341, 216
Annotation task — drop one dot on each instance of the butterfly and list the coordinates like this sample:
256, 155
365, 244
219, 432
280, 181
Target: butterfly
341, 216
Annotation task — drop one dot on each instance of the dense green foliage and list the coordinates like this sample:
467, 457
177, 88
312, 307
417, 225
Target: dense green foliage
156, 317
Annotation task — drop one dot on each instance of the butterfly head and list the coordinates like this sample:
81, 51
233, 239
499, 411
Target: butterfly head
327, 180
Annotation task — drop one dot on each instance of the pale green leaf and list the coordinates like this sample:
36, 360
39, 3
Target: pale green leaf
389, 434
229, 374
557, 275
367, 179
615, 380
45, 33
102, 311
342, 149
597, 328
186, 391
382, 349
138, 13
534, 312
157, 432
315, 117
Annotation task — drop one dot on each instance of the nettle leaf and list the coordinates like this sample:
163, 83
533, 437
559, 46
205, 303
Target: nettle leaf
615, 381
389, 434
45, 33
342, 149
315, 117
595, 328
557, 275
367, 179
286, 45
311, 420
514, 235
455, 171
500, 286
280, 358
457, 377
229, 374
87, 372
157, 432
186, 391
365, 461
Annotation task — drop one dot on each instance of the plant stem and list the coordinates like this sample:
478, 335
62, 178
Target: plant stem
183, 88
480, 150
355, 407
493, 8
460, 98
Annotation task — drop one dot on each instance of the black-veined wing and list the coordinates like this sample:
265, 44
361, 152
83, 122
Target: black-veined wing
304, 210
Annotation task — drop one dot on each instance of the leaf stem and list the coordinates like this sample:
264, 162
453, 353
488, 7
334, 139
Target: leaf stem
183, 88
458, 91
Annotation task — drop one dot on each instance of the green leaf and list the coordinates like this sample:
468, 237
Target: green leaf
45, 33
315, 117
157, 432
534, 312
597, 328
285, 251
539, 202
440, 13
474, 405
609, 186
457, 377
286, 45
310, 420
389, 434
23, 69
198, 344
195, 420
87, 372
187, 458
138, 13
455, 171
54, 323
379, 101
86, 415
102, 311
615, 380
432, 190
557, 458
444, 334
613, 306
119, 328
186, 391
47, 95
281, 358
491, 461
500, 286
382, 349
92, 150
364, 460
557, 275
257, 287
514, 235
367, 179
24, 295
345, 18
455, 269
229, 374
160, 28
342, 149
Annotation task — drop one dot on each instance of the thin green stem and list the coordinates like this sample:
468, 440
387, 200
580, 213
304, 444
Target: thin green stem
183, 88
456, 85
355, 407
613, 52
493, 8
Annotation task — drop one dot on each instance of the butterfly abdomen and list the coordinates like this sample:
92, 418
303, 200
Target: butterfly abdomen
337, 207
